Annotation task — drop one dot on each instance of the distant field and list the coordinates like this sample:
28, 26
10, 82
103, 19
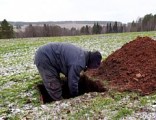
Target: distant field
18, 77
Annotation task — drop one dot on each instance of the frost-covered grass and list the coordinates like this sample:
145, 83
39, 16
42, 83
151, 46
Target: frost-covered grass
19, 98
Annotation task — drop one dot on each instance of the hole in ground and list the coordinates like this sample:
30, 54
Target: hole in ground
85, 85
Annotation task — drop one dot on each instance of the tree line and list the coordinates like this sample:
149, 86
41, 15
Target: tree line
48, 30
146, 23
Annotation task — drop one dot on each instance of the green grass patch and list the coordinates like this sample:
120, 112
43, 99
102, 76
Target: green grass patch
91, 108
123, 112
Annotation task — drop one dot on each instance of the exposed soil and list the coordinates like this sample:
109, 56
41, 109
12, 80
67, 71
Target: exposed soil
130, 68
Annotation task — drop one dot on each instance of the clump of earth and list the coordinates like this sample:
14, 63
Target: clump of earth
130, 68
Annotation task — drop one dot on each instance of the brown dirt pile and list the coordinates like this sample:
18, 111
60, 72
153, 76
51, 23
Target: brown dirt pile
132, 67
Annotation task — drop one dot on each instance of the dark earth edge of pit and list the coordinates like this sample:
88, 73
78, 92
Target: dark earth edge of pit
86, 85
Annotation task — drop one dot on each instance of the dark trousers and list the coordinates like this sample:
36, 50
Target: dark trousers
50, 76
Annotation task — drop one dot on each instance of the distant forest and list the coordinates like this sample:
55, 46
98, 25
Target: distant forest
146, 23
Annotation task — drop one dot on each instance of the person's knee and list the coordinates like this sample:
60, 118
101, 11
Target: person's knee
54, 89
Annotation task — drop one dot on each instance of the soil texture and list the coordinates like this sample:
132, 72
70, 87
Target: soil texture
130, 68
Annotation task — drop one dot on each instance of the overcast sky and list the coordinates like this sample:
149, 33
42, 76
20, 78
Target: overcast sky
75, 10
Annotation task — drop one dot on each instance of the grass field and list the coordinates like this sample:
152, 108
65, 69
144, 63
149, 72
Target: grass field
19, 98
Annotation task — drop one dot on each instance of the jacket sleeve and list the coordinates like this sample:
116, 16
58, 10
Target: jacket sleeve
73, 79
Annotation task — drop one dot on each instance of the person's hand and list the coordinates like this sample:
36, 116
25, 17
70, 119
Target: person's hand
41, 99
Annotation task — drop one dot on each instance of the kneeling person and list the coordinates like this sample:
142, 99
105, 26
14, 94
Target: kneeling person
55, 58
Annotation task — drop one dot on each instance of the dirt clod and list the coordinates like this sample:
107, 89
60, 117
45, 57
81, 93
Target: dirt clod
131, 68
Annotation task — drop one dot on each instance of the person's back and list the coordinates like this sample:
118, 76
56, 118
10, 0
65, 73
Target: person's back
63, 55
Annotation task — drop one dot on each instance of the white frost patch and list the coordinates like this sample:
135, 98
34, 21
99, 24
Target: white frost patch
142, 116
7, 85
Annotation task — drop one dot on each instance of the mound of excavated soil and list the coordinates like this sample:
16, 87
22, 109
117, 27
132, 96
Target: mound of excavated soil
132, 67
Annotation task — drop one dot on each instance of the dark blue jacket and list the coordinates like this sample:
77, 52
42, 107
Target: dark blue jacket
67, 59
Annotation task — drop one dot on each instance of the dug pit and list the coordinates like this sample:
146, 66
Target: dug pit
86, 85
